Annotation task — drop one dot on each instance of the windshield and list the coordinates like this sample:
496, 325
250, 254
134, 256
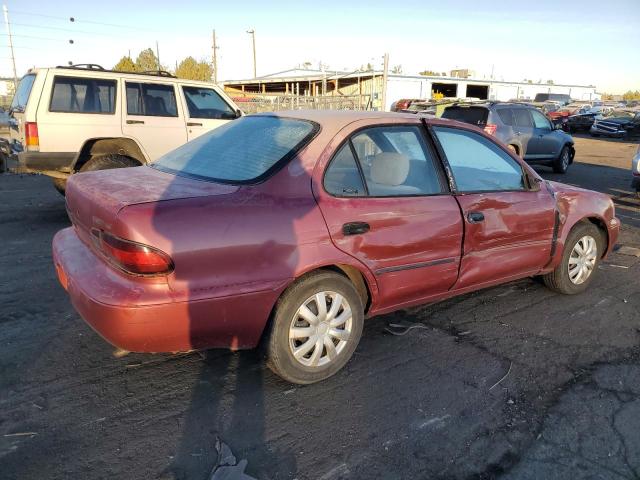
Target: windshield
619, 114
21, 97
242, 151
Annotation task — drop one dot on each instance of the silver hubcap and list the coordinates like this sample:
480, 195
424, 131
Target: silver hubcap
582, 259
320, 329
565, 159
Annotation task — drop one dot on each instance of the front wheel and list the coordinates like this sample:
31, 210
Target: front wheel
561, 164
316, 328
583, 250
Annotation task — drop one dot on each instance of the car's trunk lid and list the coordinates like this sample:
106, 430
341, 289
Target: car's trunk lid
94, 199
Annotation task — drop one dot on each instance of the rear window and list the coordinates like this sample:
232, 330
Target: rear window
472, 115
21, 97
83, 95
242, 151
506, 116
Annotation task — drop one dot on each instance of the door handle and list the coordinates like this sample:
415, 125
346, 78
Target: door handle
132, 122
355, 228
193, 124
475, 217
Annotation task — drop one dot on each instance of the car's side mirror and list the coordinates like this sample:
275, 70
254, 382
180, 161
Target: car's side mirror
238, 113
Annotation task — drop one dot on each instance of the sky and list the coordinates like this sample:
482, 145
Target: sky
581, 42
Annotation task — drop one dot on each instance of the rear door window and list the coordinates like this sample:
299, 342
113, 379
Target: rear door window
151, 100
540, 121
522, 118
394, 161
206, 103
472, 115
21, 97
83, 95
506, 115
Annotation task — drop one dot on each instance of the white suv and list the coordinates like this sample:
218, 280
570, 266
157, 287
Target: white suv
65, 120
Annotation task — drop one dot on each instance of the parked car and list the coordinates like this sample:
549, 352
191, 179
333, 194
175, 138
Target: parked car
288, 229
635, 172
403, 104
560, 98
82, 118
615, 124
523, 128
579, 121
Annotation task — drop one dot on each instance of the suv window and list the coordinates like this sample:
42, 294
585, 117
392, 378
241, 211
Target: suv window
83, 95
506, 115
478, 164
540, 121
522, 118
394, 161
472, 115
243, 151
206, 103
19, 102
343, 177
151, 99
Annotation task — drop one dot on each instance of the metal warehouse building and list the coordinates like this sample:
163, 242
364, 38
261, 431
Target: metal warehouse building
364, 90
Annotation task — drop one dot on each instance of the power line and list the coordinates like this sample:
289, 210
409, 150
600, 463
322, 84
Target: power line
30, 25
33, 37
75, 20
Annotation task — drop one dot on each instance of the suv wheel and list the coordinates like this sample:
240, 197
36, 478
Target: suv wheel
583, 250
561, 164
108, 161
316, 328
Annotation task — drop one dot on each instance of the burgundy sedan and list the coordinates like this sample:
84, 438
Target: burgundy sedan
288, 229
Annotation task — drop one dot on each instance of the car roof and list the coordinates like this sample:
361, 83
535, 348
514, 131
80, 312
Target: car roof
339, 118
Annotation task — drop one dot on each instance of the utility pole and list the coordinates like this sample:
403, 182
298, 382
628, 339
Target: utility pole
158, 56
252, 32
13, 58
385, 75
214, 49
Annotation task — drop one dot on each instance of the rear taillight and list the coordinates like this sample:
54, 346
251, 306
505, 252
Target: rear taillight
31, 138
132, 257
490, 128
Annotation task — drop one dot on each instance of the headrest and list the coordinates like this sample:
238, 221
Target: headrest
389, 168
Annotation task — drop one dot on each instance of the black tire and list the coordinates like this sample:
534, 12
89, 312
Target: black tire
280, 357
561, 164
107, 162
60, 184
559, 280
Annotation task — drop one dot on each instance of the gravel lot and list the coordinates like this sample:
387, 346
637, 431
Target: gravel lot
421, 405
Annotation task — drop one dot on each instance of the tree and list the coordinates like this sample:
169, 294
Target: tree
631, 95
147, 61
549, 82
125, 64
430, 73
191, 69
397, 69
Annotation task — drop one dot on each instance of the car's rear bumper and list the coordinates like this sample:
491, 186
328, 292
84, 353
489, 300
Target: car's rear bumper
46, 162
117, 307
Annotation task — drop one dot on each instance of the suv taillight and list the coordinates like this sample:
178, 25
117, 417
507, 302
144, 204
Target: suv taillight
490, 128
132, 257
31, 138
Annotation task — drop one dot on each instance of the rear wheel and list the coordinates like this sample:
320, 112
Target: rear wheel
582, 253
561, 164
108, 161
316, 328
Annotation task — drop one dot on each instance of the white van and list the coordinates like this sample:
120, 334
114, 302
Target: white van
65, 120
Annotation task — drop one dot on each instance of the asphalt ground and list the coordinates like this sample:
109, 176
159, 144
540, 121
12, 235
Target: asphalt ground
512, 382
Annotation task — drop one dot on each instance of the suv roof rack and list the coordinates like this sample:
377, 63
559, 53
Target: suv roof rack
100, 68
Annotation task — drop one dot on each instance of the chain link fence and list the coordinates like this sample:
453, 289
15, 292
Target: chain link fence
274, 103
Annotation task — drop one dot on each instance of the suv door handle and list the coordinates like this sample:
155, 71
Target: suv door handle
193, 124
131, 122
475, 217
355, 228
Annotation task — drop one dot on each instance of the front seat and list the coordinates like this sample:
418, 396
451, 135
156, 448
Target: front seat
388, 173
